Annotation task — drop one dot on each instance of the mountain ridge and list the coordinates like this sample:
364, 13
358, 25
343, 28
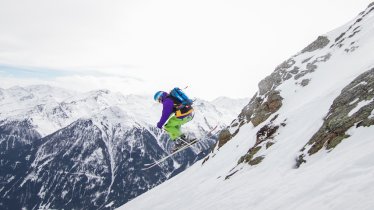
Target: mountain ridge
87, 150
265, 160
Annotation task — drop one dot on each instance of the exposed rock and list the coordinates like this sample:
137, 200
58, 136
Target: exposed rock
306, 60
224, 137
371, 4
351, 49
268, 99
264, 135
228, 176
258, 110
276, 78
295, 70
311, 67
256, 161
271, 105
305, 82
353, 34
263, 104
339, 37
250, 154
352, 107
344, 35
266, 132
269, 144
319, 43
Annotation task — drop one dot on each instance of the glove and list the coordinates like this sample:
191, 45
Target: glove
159, 125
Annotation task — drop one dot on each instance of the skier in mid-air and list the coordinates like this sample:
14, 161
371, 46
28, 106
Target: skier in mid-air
177, 111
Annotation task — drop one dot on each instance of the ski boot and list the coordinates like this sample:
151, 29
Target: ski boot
182, 141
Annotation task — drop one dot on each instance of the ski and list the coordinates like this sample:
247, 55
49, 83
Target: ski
150, 165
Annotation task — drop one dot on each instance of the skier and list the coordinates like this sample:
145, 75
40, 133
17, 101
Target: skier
178, 112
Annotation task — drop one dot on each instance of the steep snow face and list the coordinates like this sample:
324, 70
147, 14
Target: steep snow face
255, 164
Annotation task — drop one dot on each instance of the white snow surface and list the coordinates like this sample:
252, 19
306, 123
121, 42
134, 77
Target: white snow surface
342, 178
359, 106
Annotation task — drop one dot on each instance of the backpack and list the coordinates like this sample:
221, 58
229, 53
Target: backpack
181, 97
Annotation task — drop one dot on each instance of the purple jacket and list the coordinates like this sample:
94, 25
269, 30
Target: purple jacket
167, 109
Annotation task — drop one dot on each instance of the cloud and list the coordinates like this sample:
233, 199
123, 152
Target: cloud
215, 47
75, 80
24, 72
40, 72
82, 83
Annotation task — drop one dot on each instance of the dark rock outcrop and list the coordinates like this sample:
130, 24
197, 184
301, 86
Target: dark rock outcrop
353, 107
268, 100
264, 140
320, 43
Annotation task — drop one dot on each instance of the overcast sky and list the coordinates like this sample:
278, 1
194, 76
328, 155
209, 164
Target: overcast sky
216, 47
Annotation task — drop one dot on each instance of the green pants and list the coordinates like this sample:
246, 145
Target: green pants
173, 126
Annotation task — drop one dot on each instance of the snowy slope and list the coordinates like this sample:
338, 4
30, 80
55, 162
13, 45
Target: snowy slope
305, 141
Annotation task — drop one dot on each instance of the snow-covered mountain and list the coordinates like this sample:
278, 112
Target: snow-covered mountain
62, 149
226, 106
304, 141
53, 108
